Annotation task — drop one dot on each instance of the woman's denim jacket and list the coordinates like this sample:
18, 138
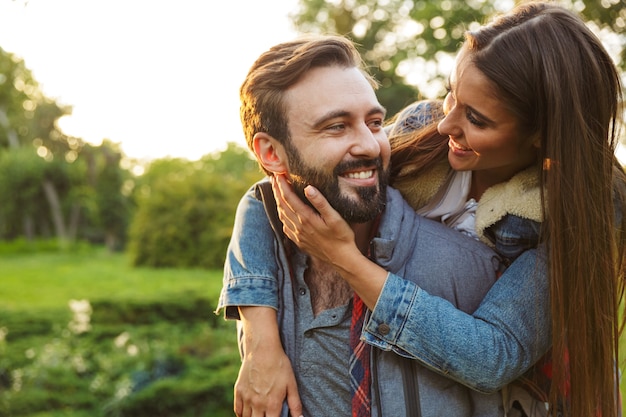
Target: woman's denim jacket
491, 343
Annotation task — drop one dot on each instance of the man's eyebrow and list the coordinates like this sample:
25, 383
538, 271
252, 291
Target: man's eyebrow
343, 113
377, 110
328, 116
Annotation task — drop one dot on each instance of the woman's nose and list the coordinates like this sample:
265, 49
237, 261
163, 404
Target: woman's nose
448, 126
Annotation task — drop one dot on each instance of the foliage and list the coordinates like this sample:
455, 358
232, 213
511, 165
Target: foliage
21, 173
408, 44
27, 117
53, 184
81, 199
22, 246
112, 206
155, 349
169, 368
185, 209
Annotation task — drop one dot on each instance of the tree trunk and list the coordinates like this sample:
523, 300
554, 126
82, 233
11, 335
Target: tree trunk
29, 228
74, 221
110, 240
55, 210
14, 141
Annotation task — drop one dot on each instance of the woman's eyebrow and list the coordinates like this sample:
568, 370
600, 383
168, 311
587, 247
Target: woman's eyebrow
481, 115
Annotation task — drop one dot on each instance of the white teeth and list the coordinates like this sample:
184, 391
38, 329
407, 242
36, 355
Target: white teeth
360, 175
459, 146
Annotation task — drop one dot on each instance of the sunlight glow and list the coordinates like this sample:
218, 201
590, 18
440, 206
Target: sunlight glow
120, 71
411, 29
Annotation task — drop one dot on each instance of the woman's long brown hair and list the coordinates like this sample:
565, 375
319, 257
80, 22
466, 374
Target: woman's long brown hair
416, 145
553, 73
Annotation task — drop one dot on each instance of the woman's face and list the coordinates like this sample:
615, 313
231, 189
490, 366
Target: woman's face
484, 136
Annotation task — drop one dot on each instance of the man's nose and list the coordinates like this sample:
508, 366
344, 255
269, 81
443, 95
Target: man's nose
366, 143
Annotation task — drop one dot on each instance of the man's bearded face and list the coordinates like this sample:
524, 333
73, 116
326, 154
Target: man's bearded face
355, 205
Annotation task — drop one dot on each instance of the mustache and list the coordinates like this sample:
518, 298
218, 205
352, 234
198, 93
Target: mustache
358, 164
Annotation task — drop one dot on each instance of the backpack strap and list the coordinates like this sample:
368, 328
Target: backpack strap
266, 195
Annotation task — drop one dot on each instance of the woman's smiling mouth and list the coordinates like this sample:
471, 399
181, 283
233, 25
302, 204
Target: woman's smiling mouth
457, 147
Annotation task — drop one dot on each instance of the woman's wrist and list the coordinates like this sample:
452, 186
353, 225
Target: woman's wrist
260, 328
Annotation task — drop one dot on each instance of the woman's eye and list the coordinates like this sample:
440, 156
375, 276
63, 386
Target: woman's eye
473, 120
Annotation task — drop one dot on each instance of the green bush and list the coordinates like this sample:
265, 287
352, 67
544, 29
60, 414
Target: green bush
156, 349
174, 364
182, 224
185, 309
185, 210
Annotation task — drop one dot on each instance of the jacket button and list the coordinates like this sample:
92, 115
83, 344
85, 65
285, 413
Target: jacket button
384, 329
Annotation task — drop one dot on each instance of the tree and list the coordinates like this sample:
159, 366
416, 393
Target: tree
27, 117
21, 176
55, 185
185, 209
111, 206
409, 45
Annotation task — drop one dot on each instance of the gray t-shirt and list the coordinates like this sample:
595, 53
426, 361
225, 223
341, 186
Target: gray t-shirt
323, 356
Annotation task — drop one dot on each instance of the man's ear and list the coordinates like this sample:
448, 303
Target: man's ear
270, 153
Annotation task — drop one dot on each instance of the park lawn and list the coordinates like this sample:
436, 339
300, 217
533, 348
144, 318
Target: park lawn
153, 345
49, 280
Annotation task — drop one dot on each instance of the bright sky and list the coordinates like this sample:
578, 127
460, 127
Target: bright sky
161, 77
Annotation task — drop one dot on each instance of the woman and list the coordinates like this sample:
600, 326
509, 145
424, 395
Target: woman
535, 94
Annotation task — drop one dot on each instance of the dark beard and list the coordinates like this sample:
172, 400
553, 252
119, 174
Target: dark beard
369, 201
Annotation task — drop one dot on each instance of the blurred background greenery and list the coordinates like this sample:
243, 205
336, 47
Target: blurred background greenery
83, 333
110, 268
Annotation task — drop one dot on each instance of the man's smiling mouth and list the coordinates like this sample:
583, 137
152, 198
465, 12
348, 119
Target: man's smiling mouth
360, 175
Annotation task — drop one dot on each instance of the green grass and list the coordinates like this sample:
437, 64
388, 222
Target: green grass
154, 346
50, 280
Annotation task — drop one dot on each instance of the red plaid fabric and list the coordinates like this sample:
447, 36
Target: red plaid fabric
538, 380
359, 363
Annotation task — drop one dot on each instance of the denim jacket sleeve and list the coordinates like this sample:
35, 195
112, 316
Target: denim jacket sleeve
508, 332
250, 269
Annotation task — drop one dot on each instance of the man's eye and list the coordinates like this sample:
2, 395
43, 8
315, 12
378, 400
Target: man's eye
376, 123
338, 126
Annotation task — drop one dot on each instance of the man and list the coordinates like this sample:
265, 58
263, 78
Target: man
310, 113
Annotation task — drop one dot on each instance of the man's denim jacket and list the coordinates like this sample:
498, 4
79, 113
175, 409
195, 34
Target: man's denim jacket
427, 351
